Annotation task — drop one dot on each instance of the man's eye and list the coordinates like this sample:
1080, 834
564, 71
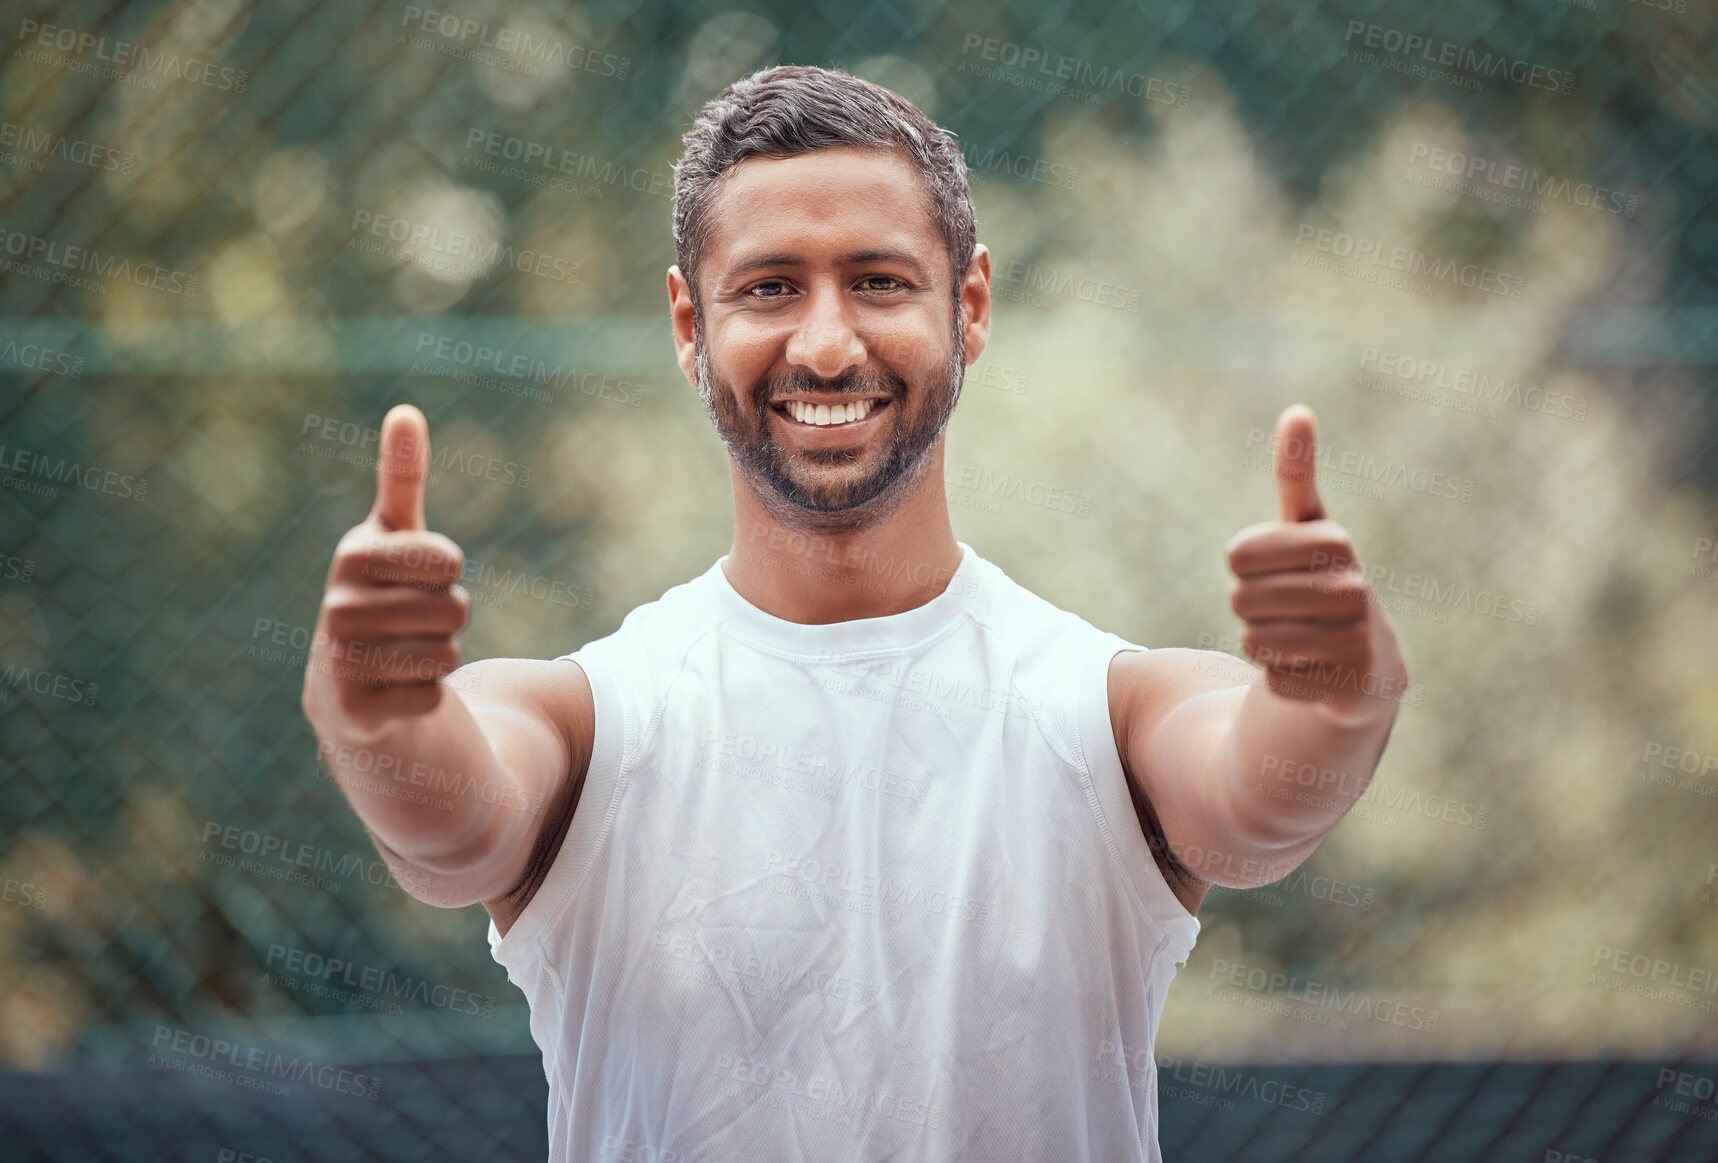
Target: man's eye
891, 282
773, 289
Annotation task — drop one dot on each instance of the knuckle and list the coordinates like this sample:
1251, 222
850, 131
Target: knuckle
447, 553
346, 611
1336, 545
349, 557
1353, 594
380, 566
364, 539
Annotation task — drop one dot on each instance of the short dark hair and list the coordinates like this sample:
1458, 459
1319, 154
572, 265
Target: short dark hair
790, 110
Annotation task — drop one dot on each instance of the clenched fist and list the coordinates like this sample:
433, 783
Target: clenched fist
1311, 618
392, 608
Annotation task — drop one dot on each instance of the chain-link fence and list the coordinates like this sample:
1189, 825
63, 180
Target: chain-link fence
1481, 240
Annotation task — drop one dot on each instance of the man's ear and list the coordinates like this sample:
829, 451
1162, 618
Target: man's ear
975, 302
681, 314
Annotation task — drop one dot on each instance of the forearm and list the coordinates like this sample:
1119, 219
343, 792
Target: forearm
1291, 768
430, 788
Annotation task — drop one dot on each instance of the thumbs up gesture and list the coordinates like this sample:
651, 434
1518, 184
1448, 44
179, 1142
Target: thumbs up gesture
392, 606
1312, 620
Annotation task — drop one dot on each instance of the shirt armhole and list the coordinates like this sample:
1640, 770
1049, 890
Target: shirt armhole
613, 746
1107, 787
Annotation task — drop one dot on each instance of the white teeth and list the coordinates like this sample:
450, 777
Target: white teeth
824, 416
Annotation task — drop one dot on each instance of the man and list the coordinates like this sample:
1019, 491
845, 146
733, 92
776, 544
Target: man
849, 848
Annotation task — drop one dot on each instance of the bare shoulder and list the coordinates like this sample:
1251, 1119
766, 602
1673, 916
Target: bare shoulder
1150, 683
540, 717
556, 691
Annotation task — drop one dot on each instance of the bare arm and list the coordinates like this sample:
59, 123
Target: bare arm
463, 777
1248, 773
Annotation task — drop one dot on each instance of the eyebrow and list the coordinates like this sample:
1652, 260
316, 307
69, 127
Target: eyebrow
854, 259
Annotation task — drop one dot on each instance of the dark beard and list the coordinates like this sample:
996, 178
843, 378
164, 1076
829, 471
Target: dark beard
810, 499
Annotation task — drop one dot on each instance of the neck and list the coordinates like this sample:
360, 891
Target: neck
813, 573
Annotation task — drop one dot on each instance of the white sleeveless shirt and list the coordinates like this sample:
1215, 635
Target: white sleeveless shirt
858, 891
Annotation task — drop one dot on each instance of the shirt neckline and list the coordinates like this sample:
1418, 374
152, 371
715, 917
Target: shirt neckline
888, 632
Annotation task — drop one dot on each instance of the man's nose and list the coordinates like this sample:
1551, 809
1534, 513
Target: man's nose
825, 343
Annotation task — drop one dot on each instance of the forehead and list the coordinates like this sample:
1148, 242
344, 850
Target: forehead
829, 201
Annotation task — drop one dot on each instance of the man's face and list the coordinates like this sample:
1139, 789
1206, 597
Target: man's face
825, 293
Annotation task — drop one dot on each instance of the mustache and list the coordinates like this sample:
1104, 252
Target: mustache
858, 383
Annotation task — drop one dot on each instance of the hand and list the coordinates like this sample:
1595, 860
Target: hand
392, 607
1312, 620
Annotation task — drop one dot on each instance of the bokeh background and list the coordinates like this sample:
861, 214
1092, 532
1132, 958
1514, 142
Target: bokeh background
1480, 239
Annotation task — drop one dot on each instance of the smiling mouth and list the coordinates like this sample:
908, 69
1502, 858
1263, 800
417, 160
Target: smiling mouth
827, 415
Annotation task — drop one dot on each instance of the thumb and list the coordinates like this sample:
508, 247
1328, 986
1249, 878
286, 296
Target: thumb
1297, 490
402, 467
